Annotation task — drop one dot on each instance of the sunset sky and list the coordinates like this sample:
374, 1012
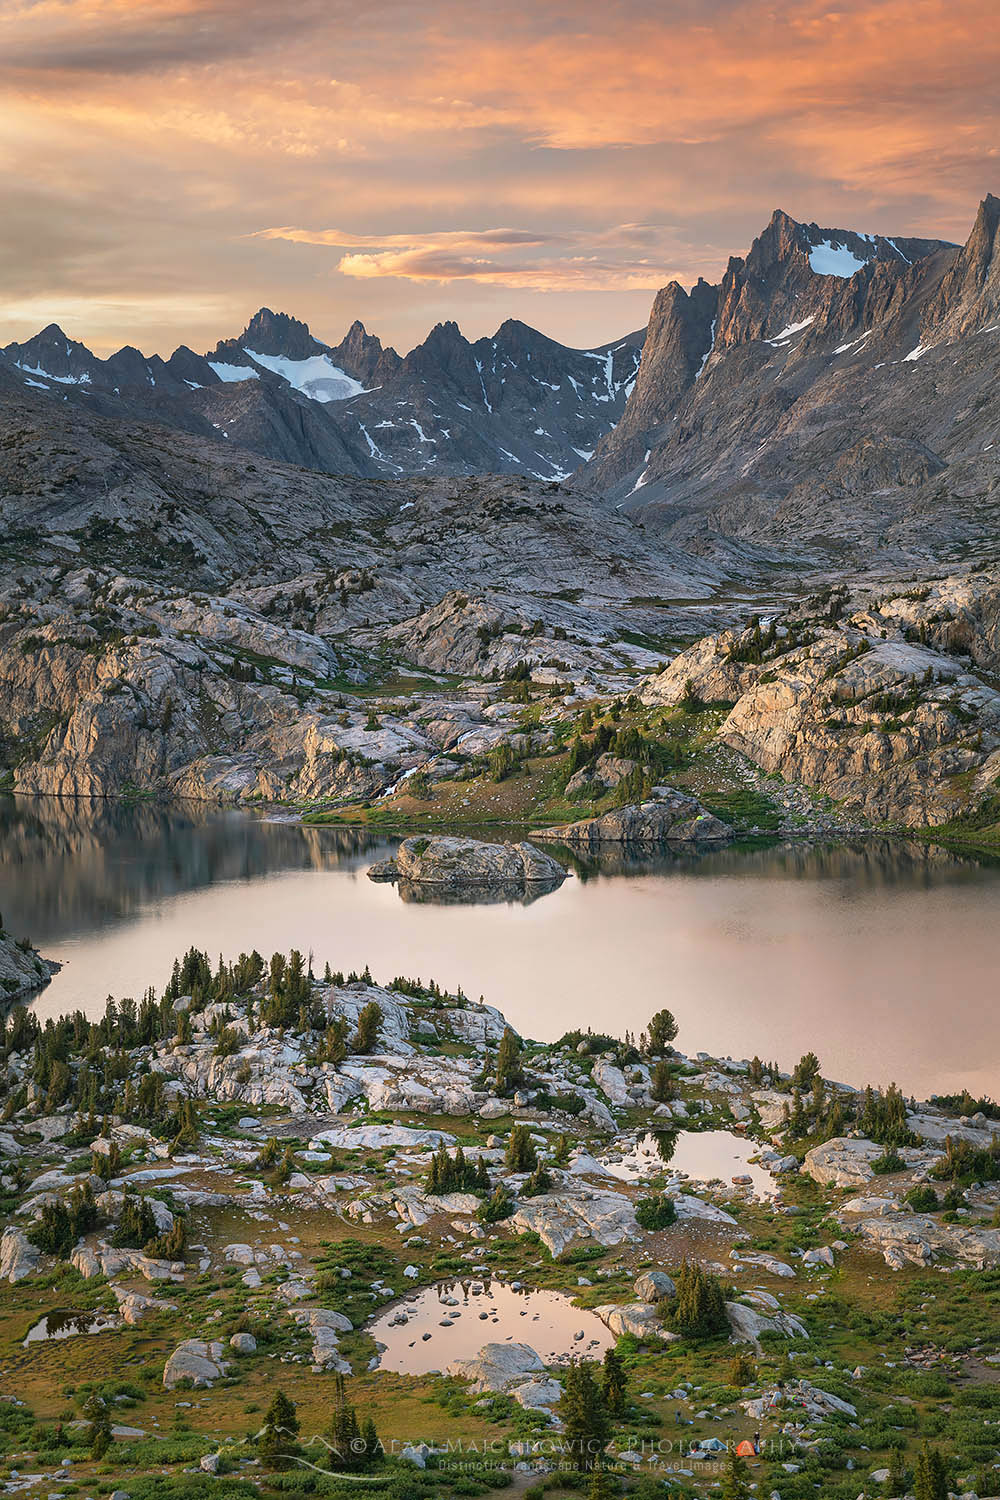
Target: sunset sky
170, 165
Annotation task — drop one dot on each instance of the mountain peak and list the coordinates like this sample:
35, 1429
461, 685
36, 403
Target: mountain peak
278, 334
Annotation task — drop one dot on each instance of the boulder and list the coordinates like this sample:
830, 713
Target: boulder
842, 1162
919, 1240
573, 1214
654, 1286
194, 1360
497, 1367
746, 1324
133, 1306
640, 1319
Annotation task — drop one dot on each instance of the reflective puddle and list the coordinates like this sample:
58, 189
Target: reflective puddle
454, 1319
703, 1156
64, 1325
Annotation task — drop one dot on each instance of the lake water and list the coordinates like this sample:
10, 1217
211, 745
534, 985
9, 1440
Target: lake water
882, 957
454, 1319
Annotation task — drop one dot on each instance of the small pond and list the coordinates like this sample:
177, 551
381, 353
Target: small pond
454, 1319
701, 1155
64, 1325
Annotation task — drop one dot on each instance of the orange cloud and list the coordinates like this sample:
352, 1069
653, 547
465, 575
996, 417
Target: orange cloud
144, 142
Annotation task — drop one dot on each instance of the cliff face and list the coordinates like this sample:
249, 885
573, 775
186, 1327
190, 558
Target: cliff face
844, 406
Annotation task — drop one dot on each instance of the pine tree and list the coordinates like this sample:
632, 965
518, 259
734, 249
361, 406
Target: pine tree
498, 1206
366, 1036
930, 1480
897, 1477
136, 1222
601, 1485
614, 1384
100, 1426
509, 1072
660, 1033
276, 1442
699, 1310
586, 1423
662, 1086
735, 1478
520, 1155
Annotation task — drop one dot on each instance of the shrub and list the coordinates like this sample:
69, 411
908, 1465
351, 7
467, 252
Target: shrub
656, 1212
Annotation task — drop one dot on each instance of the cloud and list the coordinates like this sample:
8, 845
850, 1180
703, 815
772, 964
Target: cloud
454, 239
444, 256
144, 142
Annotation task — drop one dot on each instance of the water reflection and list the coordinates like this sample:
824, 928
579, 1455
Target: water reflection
454, 1319
856, 951
65, 1325
701, 1155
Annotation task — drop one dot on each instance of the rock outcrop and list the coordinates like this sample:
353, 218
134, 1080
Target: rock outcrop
22, 970
879, 708
564, 1218
919, 1240
456, 865
18, 1256
672, 818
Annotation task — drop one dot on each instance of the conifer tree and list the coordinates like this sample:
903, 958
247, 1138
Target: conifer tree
735, 1477
586, 1423
520, 1155
660, 1033
614, 1384
662, 1086
509, 1071
699, 1310
366, 1036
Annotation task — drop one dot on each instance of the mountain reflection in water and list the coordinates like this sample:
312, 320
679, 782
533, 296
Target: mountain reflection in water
858, 951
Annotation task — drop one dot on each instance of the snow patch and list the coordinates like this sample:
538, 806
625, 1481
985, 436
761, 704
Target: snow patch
232, 374
83, 379
827, 259
789, 331
317, 377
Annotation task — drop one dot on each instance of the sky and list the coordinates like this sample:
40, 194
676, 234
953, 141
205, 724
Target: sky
168, 166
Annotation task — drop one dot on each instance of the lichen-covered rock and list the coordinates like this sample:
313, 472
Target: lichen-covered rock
456, 864
18, 1256
562, 1218
497, 1367
195, 1360
672, 818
